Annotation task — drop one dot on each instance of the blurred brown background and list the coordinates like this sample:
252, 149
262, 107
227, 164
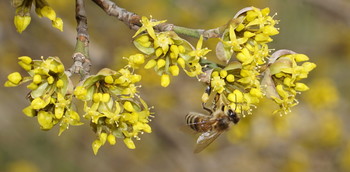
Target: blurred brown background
314, 137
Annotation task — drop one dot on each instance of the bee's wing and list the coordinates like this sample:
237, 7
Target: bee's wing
205, 139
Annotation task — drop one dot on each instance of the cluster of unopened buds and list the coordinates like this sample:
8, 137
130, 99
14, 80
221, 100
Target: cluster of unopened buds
42, 9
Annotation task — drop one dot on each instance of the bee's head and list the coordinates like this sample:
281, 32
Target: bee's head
233, 116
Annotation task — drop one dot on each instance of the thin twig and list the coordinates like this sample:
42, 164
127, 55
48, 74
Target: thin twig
81, 57
132, 20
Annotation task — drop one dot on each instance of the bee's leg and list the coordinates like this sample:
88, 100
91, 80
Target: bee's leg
216, 101
207, 109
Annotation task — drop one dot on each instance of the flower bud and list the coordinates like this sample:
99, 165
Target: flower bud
25, 66
248, 34
165, 80
159, 52
25, 59
48, 12
59, 111
150, 64
138, 58
32, 86
45, 120
147, 128
105, 97
142, 39
301, 87
103, 138
255, 92
174, 70
181, 62
128, 106
135, 78
97, 97
38, 103
262, 37
14, 77
58, 23
109, 79
50, 80
111, 139
230, 78
223, 73
21, 22
29, 111
129, 143
270, 30
236, 96
96, 146
281, 91
160, 63
240, 27
251, 15
37, 79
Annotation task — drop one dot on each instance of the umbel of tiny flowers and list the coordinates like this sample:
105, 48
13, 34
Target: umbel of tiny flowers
282, 78
166, 52
113, 107
51, 92
246, 36
42, 9
233, 94
279, 81
244, 50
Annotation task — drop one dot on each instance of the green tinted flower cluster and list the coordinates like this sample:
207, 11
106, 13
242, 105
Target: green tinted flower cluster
51, 92
42, 9
166, 52
286, 75
113, 107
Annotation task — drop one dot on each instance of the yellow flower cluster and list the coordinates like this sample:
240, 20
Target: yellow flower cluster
232, 94
245, 38
286, 74
50, 94
42, 9
113, 107
166, 52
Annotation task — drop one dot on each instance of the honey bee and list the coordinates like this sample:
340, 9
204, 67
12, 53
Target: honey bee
210, 126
